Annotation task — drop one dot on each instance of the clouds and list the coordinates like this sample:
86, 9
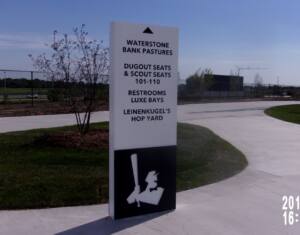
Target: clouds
23, 41
15, 47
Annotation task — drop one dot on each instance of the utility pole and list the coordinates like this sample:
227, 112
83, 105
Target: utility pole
31, 74
4, 81
4, 91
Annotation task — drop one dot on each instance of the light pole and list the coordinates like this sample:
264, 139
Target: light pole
31, 78
4, 91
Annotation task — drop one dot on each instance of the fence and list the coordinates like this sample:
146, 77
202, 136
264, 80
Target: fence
22, 86
250, 91
25, 92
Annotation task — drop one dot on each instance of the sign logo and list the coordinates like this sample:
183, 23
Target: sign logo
152, 194
148, 30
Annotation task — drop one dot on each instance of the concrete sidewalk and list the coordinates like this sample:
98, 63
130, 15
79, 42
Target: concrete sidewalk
185, 112
8, 124
248, 203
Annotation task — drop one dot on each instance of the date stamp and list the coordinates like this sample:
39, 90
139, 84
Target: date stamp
290, 209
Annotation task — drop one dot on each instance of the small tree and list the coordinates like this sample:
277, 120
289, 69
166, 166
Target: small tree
258, 85
258, 80
80, 64
200, 81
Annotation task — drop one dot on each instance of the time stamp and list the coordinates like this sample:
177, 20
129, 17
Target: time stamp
290, 209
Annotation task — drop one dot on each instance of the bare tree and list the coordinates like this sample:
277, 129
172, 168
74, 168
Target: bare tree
80, 64
258, 85
258, 80
200, 81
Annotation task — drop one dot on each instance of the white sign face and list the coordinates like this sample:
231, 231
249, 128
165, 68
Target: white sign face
143, 113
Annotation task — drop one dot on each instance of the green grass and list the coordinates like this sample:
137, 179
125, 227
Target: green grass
289, 113
204, 158
36, 176
22, 91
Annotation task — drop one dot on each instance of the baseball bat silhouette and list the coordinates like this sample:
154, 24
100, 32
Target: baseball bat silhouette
134, 165
134, 168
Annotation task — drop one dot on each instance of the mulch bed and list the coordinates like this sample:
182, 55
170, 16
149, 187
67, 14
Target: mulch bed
40, 108
94, 139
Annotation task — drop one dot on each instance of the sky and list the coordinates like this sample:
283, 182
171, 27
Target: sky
217, 34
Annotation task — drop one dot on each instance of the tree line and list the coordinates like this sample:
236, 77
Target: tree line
37, 83
27, 83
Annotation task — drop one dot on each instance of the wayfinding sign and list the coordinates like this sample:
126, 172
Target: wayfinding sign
143, 117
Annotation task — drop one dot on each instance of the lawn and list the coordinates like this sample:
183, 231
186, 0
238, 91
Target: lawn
22, 91
34, 174
20, 95
289, 113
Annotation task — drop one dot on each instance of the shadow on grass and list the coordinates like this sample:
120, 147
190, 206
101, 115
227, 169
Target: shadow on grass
107, 225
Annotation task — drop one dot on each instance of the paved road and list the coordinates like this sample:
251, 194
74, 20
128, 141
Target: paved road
248, 203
